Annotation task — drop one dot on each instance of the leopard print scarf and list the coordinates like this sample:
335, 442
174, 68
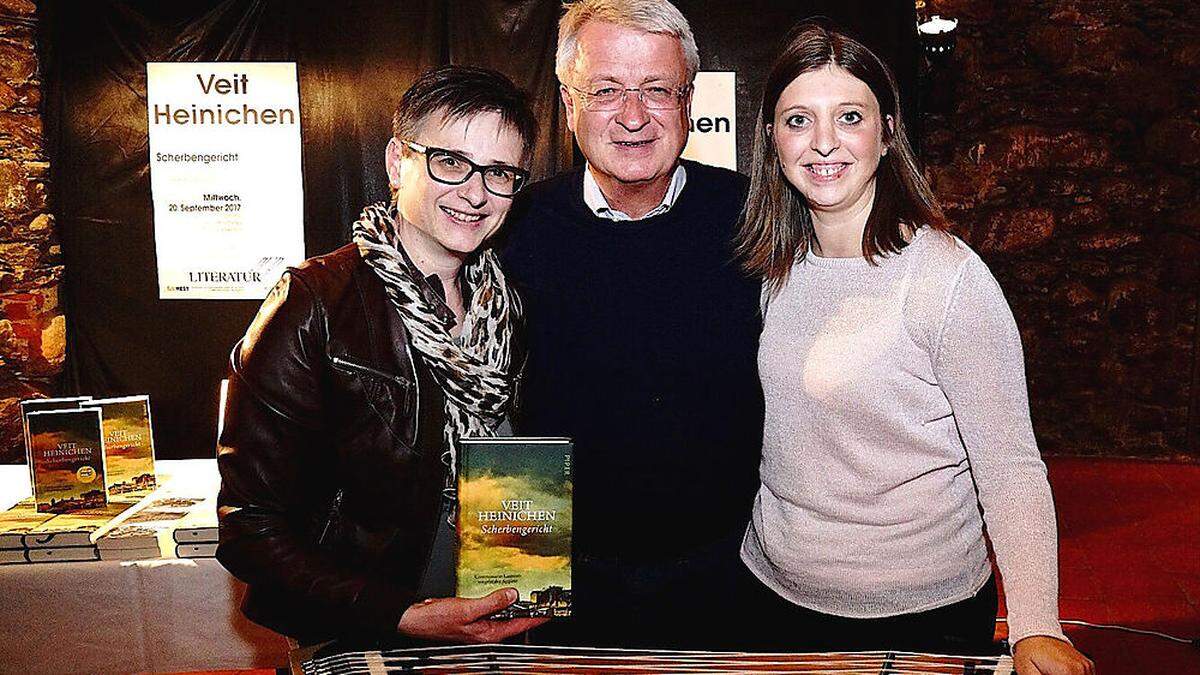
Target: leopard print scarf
475, 370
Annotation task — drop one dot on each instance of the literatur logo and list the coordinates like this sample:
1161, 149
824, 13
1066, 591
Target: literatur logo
254, 275
219, 276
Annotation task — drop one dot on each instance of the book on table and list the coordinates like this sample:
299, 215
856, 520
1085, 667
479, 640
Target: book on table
17, 521
18, 556
65, 542
41, 404
66, 456
203, 550
514, 522
62, 554
199, 526
71, 530
128, 443
150, 523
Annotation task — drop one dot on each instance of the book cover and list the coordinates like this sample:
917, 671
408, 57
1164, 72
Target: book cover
38, 405
128, 443
73, 529
66, 453
199, 526
65, 554
196, 550
17, 521
514, 522
11, 556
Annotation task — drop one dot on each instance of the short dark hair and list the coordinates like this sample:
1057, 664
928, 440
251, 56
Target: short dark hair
776, 228
458, 92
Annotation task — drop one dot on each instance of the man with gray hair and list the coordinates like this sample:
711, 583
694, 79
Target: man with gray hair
642, 338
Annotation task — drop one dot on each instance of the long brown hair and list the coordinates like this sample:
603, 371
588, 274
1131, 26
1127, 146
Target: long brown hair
775, 228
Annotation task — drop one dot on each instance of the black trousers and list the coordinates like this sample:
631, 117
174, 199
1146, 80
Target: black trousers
678, 603
778, 625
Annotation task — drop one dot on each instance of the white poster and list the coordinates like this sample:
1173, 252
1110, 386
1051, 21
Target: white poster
225, 177
713, 137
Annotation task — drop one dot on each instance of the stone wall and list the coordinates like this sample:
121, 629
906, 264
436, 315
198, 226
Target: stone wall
1066, 147
32, 327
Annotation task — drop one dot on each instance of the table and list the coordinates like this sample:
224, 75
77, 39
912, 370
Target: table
511, 659
125, 617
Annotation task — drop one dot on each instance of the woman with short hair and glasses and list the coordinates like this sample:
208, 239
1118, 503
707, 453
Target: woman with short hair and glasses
897, 424
362, 370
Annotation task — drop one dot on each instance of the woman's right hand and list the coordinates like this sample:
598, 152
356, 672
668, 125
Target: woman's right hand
1044, 655
463, 620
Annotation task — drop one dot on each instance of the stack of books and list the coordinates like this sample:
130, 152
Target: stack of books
145, 530
70, 536
178, 519
196, 534
96, 494
14, 524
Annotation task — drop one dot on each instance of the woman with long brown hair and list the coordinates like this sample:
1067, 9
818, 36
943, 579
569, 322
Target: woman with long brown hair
897, 422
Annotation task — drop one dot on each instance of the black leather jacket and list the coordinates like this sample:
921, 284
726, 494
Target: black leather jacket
327, 509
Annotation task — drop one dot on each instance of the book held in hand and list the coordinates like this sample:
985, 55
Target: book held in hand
514, 522
66, 455
128, 443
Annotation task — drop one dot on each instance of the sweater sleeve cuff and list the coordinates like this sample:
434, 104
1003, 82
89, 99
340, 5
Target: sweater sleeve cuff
1019, 632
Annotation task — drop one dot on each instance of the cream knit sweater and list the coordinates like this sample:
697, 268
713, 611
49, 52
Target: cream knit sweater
896, 411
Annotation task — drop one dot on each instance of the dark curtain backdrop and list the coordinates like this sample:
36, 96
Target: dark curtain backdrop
354, 61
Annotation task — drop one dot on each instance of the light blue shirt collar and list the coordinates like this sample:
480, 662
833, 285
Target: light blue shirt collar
594, 198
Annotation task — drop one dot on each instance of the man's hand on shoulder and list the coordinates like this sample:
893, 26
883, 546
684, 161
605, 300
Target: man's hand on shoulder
463, 620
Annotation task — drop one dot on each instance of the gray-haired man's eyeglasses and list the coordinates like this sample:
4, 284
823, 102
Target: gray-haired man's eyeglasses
609, 98
451, 168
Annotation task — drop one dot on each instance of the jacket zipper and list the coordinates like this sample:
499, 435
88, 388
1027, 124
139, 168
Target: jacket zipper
416, 387
339, 361
334, 512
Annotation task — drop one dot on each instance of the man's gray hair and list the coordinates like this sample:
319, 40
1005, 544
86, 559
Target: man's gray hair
652, 16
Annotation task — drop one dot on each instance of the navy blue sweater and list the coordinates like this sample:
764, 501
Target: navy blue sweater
643, 341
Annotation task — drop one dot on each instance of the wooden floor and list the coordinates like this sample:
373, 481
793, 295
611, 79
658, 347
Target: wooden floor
1129, 554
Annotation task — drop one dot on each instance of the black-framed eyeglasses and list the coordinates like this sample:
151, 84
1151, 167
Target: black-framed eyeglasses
608, 98
451, 168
